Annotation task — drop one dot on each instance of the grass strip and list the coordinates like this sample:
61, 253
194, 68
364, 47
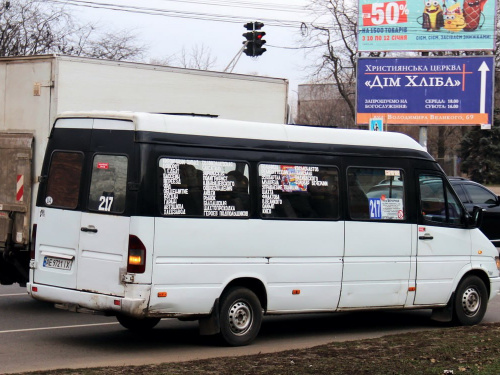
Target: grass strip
453, 350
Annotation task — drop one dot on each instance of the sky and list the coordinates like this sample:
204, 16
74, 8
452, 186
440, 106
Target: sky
217, 26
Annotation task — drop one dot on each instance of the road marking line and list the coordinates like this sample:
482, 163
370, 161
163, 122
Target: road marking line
60, 327
14, 294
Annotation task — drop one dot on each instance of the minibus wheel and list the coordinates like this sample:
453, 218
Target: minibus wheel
471, 300
240, 316
137, 325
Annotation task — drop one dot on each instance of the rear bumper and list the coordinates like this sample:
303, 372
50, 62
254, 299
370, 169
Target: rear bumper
134, 303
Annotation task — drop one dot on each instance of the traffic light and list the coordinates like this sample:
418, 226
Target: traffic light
249, 44
257, 25
254, 41
258, 43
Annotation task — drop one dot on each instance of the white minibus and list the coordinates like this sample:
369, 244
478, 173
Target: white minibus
149, 216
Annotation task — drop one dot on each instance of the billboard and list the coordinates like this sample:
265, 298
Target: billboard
426, 25
426, 90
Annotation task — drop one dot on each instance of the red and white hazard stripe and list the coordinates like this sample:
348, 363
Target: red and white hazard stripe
20, 187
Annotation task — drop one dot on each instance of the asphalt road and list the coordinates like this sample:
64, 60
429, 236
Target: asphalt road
36, 336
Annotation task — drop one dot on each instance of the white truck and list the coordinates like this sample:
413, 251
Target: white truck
33, 90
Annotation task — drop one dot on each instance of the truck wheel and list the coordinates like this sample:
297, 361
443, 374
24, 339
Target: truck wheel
471, 301
137, 325
240, 316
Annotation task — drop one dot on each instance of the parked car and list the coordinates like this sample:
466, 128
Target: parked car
390, 188
473, 194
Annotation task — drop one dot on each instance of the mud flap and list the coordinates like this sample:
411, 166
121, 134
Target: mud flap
12, 267
444, 314
210, 325
6, 276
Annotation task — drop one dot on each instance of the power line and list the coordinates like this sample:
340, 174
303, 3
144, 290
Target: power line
175, 13
192, 15
207, 16
303, 47
245, 4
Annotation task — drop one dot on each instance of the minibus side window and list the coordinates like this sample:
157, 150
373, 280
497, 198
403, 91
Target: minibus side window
63, 183
438, 203
204, 188
108, 183
299, 191
376, 194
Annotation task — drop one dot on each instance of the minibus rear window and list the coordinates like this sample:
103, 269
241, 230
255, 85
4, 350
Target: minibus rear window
376, 194
63, 183
108, 184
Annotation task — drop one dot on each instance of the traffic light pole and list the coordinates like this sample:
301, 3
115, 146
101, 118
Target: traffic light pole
235, 59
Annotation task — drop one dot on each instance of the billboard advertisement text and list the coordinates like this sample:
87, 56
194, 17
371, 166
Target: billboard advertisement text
426, 25
426, 90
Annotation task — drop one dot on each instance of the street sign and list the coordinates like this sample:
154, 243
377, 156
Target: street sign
426, 90
376, 124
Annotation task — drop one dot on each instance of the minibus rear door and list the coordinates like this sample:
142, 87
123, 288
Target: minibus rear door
104, 226
103, 253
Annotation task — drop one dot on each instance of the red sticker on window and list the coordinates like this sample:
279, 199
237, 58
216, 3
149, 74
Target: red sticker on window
102, 165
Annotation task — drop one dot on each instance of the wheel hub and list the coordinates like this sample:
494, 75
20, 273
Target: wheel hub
471, 302
240, 318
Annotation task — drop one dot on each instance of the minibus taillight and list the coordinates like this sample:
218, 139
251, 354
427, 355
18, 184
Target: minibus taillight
33, 242
136, 255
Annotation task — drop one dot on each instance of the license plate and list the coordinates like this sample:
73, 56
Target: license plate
62, 264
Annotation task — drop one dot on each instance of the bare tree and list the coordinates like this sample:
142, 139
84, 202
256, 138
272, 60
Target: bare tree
32, 27
200, 57
338, 60
165, 61
113, 47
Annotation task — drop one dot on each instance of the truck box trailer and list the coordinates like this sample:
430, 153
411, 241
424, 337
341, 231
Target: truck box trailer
35, 89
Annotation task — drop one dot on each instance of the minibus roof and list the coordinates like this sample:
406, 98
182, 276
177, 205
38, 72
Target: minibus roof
216, 127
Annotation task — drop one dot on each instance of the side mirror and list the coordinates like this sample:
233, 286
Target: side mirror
476, 219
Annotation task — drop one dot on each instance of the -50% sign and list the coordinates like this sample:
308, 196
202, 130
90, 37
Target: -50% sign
377, 14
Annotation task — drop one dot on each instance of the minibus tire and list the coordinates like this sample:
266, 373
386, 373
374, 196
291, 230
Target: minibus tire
240, 316
471, 301
137, 325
